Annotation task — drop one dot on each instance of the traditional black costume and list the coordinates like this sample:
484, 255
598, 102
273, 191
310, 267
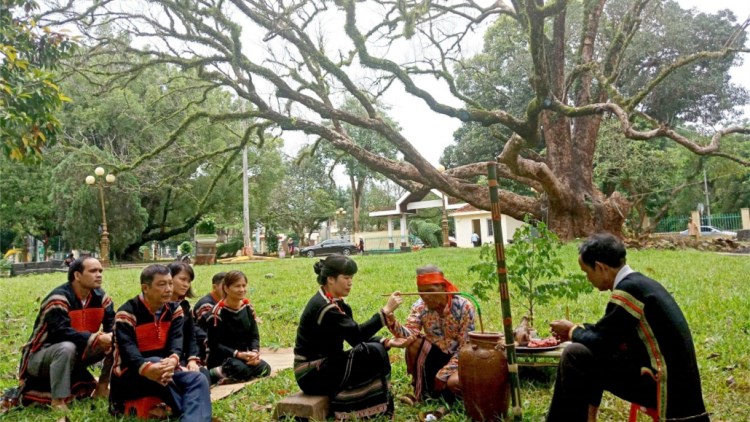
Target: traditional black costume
641, 351
190, 350
66, 325
201, 311
142, 339
231, 331
358, 380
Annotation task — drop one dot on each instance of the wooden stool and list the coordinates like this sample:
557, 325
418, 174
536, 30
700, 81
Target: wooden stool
140, 408
634, 408
302, 406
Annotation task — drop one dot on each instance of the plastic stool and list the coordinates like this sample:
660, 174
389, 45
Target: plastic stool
140, 408
634, 408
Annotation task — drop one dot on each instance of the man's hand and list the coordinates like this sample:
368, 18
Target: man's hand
193, 366
561, 328
402, 342
171, 362
105, 341
160, 372
394, 301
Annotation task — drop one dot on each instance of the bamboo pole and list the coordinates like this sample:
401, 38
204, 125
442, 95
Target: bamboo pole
502, 278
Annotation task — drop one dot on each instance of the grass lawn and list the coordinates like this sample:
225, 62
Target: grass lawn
712, 290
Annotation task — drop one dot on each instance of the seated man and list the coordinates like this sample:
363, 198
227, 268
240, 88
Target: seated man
640, 351
446, 320
67, 340
148, 344
202, 310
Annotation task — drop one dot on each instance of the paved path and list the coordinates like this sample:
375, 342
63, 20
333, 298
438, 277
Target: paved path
279, 360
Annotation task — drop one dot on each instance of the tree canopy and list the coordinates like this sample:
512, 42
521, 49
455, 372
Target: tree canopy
30, 55
577, 62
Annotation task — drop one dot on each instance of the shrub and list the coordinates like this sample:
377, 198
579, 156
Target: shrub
272, 240
207, 225
534, 269
230, 248
185, 248
429, 233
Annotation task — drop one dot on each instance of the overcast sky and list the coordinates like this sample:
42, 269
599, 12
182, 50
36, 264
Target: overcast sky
431, 132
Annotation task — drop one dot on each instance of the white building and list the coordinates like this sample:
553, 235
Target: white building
471, 220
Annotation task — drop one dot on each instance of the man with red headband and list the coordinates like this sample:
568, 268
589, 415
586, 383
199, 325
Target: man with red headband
435, 331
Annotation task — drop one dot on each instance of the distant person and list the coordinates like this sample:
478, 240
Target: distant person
202, 310
475, 239
72, 332
641, 350
361, 245
148, 346
233, 337
69, 260
290, 246
693, 229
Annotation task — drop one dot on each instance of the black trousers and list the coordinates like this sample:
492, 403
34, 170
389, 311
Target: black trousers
582, 378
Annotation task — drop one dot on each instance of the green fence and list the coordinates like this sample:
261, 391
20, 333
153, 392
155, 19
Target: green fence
721, 221
672, 225
382, 244
731, 222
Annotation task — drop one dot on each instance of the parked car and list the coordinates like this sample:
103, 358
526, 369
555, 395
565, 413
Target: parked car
711, 231
328, 247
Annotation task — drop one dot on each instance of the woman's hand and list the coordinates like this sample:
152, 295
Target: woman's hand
193, 366
394, 301
253, 358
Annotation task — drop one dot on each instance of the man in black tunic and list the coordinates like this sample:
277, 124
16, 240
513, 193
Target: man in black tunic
641, 350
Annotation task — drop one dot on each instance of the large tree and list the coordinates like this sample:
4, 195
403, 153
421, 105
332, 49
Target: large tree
293, 64
303, 199
118, 124
358, 173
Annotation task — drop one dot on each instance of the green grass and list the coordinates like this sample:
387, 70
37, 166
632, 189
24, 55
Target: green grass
712, 290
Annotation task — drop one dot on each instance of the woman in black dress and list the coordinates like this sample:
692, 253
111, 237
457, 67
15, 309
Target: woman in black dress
233, 339
358, 380
182, 280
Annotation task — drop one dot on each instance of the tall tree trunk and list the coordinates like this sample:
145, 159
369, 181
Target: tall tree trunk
357, 190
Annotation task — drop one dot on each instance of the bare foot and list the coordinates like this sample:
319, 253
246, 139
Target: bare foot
101, 392
59, 405
157, 412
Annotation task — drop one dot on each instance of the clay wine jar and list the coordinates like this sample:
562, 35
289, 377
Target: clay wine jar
485, 380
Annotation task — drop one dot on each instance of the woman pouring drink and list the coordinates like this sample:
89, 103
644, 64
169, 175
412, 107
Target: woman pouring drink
358, 380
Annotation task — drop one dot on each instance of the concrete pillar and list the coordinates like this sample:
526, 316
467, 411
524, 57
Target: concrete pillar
404, 230
745, 218
390, 232
696, 216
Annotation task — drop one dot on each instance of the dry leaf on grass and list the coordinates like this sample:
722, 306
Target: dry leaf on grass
282, 392
713, 355
258, 407
731, 382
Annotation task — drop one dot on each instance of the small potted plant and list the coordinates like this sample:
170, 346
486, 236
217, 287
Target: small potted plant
206, 239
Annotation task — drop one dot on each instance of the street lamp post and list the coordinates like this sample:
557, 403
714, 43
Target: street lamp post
446, 241
340, 214
91, 180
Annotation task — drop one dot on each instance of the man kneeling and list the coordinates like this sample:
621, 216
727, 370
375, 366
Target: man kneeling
66, 340
640, 351
148, 345
447, 320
